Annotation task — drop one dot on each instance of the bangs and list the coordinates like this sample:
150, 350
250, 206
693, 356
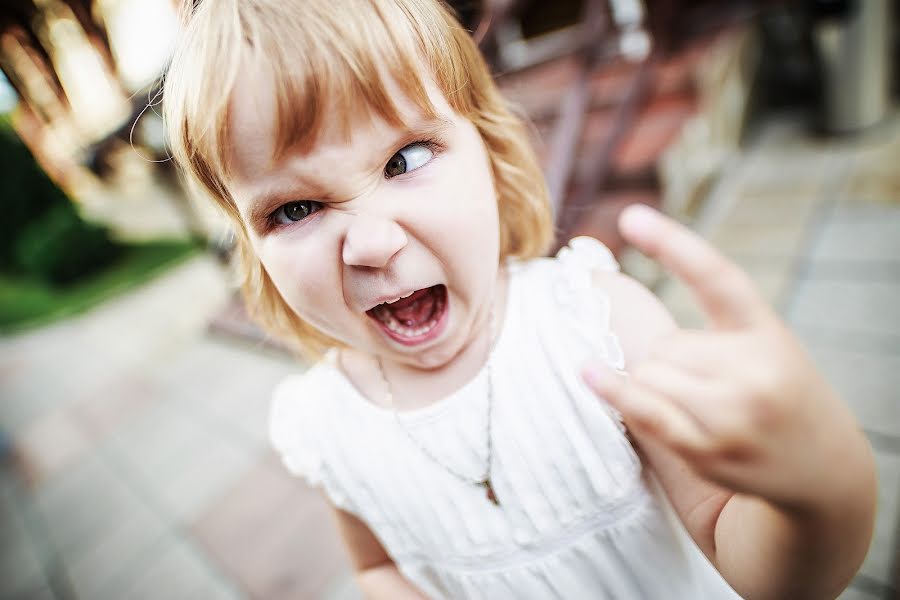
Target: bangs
324, 58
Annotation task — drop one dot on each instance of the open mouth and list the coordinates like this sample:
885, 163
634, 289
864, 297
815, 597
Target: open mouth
415, 319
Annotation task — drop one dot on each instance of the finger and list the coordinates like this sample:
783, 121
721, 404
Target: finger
647, 412
698, 352
678, 384
724, 291
704, 399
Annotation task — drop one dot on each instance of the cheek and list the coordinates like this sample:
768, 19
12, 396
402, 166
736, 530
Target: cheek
466, 194
478, 201
305, 280
462, 220
466, 222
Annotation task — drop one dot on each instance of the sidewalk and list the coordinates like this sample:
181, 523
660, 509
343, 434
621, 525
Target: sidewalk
141, 467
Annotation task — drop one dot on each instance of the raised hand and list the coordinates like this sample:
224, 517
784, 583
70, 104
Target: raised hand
741, 402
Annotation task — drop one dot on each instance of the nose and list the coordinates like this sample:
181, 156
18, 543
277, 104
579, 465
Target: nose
371, 241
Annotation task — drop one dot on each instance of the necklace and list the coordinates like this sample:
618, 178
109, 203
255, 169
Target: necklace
485, 480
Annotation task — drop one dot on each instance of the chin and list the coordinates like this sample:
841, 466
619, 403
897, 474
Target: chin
431, 362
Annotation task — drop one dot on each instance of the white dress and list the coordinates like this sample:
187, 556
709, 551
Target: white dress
577, 517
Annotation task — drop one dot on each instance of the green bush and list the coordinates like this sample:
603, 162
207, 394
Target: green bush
27, 194
59, 248
42, 236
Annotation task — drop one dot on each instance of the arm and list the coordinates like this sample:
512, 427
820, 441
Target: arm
762, 462
376, 573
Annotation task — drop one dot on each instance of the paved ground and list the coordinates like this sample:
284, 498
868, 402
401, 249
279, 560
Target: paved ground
138, 465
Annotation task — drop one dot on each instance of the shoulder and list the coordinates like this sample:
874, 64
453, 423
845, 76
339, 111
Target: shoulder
571, 266
584, 284
294, 394
637, 316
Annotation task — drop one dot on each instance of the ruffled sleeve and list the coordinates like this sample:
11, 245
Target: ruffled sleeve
290, 432
298, 416
588, 304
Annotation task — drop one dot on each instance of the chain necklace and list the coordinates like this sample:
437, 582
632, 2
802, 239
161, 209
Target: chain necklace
485, 480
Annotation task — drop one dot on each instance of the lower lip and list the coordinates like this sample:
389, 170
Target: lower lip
428, 336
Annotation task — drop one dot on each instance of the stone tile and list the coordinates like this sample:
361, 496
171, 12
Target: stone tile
879, 563
48, 364
275, 536
158, 320
849, 340
92, 348
48, 444
77, 505
21, 567
784, 129
852, 270
244, 413
154, 441
109, 405
238, 396
222, 361
23, 400
852, 209
848, 306
776, 171
41, 592
208, 471
771, 277
854, 593
121, 542
760, 241
868, 383
859, 240
777, 207
876, 176
181, 456
177, 569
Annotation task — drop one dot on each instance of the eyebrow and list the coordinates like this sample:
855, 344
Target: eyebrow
271, 196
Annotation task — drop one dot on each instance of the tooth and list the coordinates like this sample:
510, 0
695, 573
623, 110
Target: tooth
403, 328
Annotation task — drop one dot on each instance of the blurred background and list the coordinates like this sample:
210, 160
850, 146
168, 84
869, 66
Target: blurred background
134, 390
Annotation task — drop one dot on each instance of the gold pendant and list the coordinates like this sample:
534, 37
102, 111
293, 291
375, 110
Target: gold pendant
489, 490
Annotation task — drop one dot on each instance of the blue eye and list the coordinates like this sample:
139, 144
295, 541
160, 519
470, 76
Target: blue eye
408, 159
295, 211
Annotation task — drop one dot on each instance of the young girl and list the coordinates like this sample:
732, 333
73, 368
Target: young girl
485, 422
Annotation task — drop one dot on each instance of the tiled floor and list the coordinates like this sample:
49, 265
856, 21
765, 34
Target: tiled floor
141, 467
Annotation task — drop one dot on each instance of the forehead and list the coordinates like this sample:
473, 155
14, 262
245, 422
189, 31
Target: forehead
255, 130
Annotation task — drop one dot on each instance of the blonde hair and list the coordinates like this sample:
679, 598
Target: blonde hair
341, 53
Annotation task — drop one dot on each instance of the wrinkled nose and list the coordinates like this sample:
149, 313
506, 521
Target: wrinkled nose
372, 241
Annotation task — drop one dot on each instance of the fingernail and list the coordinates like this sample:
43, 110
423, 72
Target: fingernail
600, 377
637, 221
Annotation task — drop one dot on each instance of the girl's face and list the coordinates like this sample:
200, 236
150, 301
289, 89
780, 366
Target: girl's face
387, 242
